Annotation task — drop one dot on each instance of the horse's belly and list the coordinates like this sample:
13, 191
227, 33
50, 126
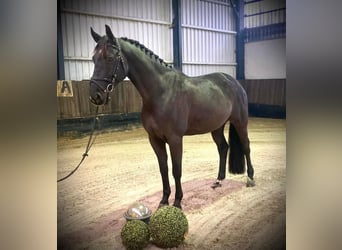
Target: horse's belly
206, 122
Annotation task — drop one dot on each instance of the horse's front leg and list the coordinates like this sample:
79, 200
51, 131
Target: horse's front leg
159, 148
176, 150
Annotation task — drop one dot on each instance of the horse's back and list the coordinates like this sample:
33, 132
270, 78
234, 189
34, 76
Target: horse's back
211, 100
227, 84
234, 92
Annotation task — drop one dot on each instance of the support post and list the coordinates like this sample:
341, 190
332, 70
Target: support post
60, 57
240, 40
177, 34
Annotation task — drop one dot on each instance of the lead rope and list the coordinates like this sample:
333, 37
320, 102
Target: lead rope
90, 143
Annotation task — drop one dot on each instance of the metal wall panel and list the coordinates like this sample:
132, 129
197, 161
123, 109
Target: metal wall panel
196, 70
265, 12
147, 21
265, 44
208, 30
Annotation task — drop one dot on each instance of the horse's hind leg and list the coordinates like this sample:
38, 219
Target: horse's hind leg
243, 135
222, 147
250, 169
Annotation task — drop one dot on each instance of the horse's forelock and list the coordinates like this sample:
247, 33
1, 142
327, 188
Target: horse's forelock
101, 48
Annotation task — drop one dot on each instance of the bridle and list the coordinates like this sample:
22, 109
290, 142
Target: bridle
118, 60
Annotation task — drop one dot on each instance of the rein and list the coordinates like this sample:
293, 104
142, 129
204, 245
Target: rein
107, 89
90, 143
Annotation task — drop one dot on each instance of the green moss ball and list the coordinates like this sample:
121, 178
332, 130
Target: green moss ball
135, 235
168, 225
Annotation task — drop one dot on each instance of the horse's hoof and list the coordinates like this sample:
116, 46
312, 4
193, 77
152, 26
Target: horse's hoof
163, 204
250, 182
216, 184
178, 205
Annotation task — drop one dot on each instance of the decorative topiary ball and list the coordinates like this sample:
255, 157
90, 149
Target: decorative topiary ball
135, 235
168, 225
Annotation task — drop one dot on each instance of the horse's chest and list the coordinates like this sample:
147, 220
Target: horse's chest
161, 122
151, 123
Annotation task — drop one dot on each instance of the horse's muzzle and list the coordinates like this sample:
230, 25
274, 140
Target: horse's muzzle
99, 99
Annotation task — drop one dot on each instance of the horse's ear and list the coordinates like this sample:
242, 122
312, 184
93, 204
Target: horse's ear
96, 36
109, 33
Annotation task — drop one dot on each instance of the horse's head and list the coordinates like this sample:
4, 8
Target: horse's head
110, 66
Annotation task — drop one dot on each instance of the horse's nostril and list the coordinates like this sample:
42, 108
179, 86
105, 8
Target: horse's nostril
92, 100
98, 95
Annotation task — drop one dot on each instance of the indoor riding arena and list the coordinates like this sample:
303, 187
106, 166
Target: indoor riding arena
105, 149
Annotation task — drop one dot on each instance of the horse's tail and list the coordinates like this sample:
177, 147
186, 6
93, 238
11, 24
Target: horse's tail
236, 155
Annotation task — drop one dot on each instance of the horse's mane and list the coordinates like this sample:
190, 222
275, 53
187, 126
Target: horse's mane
147, 51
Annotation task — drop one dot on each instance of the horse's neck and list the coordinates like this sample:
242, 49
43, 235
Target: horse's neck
144, 72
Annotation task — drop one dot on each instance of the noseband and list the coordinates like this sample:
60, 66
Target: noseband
119, 59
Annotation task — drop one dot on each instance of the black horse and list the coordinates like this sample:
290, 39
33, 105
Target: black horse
175, 105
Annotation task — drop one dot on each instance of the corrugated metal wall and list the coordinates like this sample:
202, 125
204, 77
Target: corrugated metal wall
264, 37
147, 21
208, 30
265, 12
